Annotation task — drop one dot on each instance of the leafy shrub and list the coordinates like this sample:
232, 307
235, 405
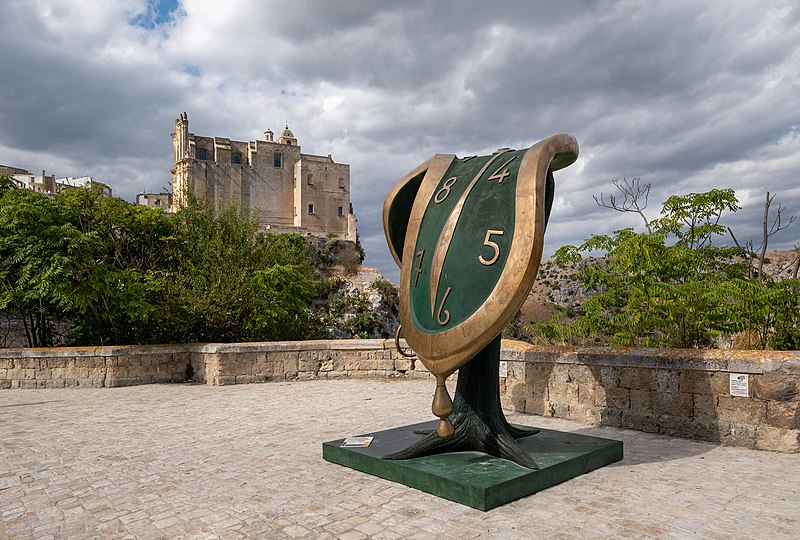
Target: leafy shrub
672, 287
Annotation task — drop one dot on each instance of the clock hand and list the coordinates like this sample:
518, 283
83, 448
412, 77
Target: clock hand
443, 243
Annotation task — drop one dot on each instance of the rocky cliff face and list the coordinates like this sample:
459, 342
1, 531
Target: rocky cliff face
360, 305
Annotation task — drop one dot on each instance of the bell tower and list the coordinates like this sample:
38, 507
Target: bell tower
180, 153
180, 138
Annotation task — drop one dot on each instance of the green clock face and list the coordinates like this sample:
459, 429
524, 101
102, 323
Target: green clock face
468, 235
464, 240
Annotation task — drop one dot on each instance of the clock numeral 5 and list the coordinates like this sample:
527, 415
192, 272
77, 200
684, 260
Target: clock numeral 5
499, 176
446, 319
443, 193
488, 242
418, 270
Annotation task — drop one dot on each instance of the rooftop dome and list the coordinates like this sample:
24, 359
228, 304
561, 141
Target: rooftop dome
287, 132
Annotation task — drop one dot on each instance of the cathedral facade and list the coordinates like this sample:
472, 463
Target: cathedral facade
287, 191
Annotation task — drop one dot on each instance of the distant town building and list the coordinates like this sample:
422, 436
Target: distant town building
83, 181
286, 189
155, 200
27, 180
50, 185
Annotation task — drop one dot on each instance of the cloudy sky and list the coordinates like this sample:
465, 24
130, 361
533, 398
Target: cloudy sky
686, 94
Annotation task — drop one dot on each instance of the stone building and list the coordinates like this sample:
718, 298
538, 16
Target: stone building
287, 190
25, 179
84, 182
49, 184
155, 200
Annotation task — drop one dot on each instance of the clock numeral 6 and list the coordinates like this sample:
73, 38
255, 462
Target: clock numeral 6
500, 176
443, 193
488, 242
418, 270
441, 310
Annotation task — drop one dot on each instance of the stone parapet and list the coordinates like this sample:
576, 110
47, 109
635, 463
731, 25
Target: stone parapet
685, 393
214, 364
682, 393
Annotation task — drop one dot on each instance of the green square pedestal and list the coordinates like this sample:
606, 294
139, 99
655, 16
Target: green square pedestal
472, 478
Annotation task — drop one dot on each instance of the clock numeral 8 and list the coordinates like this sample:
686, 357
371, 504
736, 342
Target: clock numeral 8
443, 193
487, 242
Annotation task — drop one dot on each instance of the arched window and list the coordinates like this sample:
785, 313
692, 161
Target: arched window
237, 159
201, 153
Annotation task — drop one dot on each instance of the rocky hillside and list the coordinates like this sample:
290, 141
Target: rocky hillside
558, 286
361, 304
356, 301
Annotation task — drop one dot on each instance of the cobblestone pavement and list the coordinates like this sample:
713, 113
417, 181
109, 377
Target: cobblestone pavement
195, 461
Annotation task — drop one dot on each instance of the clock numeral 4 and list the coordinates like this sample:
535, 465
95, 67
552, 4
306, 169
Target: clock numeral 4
488, 243
500, 176
418, 270
443, 193
441, 310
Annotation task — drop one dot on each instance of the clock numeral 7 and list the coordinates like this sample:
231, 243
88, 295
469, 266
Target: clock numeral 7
499, 176
446, 319
418, 270
488, 242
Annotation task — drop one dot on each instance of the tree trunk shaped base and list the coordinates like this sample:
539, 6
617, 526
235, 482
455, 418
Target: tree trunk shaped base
480, 425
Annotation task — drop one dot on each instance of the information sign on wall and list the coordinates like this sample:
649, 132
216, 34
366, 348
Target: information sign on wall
740, 385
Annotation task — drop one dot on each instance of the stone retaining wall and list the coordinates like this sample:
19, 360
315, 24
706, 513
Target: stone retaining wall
216, 364
325, 359
684, 393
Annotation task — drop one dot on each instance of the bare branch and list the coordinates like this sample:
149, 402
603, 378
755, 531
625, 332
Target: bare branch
634, 198
796, 262
765, 238
770, 230
777, 224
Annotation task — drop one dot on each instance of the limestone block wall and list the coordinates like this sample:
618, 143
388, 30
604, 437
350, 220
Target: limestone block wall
240, 363
93, 367
216, 364
684, 393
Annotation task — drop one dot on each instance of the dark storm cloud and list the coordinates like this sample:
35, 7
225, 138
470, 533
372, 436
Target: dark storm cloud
687, 95
82, 97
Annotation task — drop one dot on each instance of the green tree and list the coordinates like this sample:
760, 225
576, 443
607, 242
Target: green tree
672, 285
34, 262
230, 282
6, 183
124, 274
117, 254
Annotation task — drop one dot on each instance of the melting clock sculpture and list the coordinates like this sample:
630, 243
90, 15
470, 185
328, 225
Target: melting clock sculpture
467, 234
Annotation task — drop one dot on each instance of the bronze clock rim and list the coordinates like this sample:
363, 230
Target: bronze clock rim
434, 167
444, 352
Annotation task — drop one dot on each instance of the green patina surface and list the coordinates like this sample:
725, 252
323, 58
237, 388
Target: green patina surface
489, 205
401, 213
475, 479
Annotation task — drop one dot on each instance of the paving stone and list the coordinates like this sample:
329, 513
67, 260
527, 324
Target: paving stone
245, 461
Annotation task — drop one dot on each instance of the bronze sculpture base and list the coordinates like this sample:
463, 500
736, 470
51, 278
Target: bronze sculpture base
471, 478
478, 418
